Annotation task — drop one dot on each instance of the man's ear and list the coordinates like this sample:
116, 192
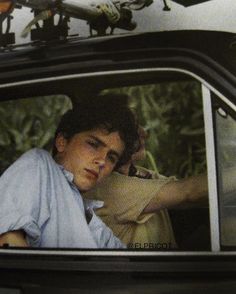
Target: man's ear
60, 143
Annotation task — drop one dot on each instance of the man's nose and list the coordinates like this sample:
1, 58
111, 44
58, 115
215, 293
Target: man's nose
100, 161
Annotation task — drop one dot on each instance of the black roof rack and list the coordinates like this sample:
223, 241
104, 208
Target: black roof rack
6, 37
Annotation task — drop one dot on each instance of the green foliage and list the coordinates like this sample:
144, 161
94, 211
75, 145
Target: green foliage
172, 114
28, 123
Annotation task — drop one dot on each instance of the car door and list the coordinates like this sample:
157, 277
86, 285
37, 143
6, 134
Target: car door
186, 102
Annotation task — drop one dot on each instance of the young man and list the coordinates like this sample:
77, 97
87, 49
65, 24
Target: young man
41, 204
136, 202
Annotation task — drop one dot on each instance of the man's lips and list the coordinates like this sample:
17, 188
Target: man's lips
92, 172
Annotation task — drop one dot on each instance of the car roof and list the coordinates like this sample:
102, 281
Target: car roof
115, 52
220, 46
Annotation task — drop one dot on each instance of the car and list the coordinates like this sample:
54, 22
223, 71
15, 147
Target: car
189, 77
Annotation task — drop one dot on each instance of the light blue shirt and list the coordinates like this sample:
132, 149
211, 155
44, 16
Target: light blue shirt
38, 196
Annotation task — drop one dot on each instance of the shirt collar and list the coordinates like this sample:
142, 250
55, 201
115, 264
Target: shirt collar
69, 176
89, 203
92, 204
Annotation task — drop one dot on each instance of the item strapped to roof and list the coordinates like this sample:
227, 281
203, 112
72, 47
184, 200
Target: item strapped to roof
100, 15
111, 12
134, 4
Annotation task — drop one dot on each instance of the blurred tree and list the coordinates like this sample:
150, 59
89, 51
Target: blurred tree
172, 114
28, 123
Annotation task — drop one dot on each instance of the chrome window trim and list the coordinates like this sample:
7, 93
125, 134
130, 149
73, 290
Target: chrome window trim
207, 86
119, 72
115, 252
211, 170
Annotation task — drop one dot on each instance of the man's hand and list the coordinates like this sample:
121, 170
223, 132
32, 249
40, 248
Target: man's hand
13, 239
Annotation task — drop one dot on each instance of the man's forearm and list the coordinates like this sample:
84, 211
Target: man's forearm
179, 193
198, 188
14, 238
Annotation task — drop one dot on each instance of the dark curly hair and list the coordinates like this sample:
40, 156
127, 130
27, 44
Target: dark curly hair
109, 112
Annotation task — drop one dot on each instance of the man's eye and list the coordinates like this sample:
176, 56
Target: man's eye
93, 144
113, 159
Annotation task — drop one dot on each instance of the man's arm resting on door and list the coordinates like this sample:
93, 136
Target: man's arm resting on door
179, 193
13, 238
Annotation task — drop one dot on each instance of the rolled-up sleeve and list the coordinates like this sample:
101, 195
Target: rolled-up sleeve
23, 197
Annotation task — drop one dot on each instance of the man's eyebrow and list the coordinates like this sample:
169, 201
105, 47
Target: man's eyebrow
97, 140
113, 152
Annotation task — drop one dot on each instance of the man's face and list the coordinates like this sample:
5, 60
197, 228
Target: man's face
90, 156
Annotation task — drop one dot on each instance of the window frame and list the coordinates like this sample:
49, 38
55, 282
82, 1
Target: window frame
211, 170
211, 162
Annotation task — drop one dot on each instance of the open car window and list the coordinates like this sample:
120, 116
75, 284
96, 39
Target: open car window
175, 147
171, 113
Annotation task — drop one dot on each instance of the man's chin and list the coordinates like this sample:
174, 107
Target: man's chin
85, 187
